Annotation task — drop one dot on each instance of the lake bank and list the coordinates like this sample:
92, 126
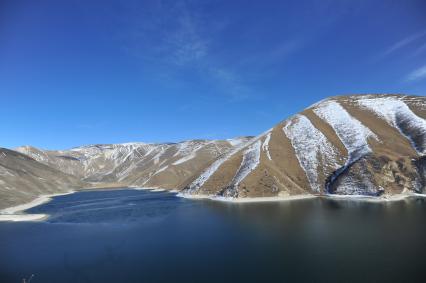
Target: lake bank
143, 236
16, 213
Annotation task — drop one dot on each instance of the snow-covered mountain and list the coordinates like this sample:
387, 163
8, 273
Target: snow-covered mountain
167, 165
349, 145
29, 172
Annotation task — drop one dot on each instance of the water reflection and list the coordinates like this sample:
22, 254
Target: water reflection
138, 236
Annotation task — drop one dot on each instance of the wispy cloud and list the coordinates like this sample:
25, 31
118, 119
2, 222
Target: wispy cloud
179, 36
418, 74
183, 36
231, 82
403, 43
185, 44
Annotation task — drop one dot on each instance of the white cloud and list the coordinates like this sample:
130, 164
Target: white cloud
186, 44
403, 43
180, 35
417, 74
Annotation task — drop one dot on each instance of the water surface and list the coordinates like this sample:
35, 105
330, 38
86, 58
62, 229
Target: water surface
142, 236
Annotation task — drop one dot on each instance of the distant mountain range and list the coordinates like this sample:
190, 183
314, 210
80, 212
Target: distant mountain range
371, 145
167, 166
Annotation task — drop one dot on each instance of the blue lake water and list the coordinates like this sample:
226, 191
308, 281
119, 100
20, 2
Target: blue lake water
141, 236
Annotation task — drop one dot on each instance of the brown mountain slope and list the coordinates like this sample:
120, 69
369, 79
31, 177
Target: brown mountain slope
348, 145
354, 145
31, 172
168, 165
23, 179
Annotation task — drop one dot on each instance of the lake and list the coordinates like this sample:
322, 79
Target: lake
142, 236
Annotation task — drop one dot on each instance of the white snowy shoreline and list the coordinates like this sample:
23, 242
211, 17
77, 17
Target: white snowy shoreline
16, 214
380, 199
248, 200
387, 198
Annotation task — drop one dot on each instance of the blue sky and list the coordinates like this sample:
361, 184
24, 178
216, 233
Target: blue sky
85, 72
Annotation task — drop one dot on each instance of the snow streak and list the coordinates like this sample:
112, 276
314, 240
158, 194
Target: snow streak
399, 115
313, 150
353, 134
265, 145
189, 153
251, 159
199, 182
249, 163
236, 141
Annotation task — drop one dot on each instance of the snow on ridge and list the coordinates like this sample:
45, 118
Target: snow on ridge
209, 171
237, 141
265, 145
161, 151
185, 159
184, 148
313, 150
189, 152
418, 101
353, 134
395, 112
34, 153
161, 169
250, 161
317, 103
152, 174
188, 157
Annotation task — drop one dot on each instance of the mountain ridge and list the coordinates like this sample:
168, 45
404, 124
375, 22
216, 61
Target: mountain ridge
370, 144
337, 148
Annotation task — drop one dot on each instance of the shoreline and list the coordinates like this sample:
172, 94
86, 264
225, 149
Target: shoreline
248, 200
15, 213
383, 199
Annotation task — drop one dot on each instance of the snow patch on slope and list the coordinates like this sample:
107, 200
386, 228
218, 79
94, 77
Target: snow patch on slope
34, 153
185, 148
236, 141
399, 115
209, 171
161, 169
202, 179
265, 145
185, 159
160, 152
250, 161
353, 134
189, 153
313, 150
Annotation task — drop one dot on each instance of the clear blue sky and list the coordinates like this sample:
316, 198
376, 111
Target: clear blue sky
84, 72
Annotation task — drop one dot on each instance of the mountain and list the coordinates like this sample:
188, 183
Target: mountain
23, 179
167, 165
371, 145
29, 172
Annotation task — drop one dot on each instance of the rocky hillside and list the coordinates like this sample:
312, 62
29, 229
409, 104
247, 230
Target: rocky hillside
371, 145
168, 165
349, 145
29, 172
23, 179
